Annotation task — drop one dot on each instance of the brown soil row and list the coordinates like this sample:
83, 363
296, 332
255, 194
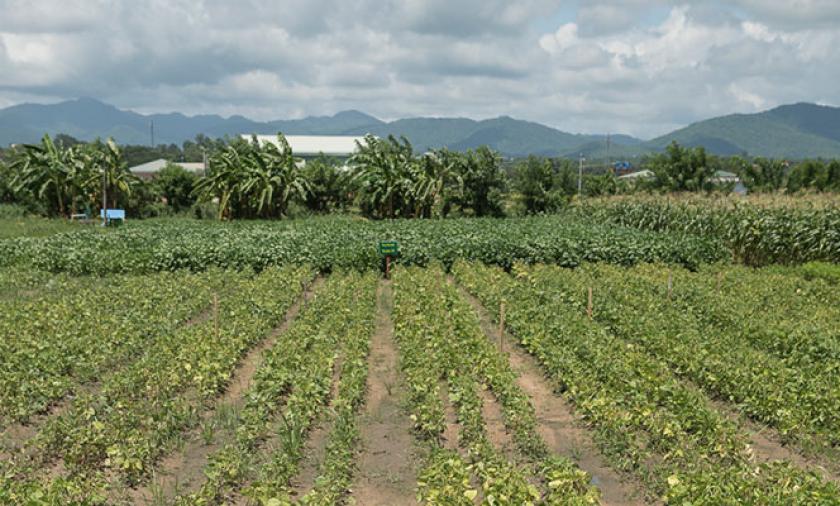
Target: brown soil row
562, 431
182, 472
387, 462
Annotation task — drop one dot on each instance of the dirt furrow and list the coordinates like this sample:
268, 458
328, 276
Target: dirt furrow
182, 472
559, 427
316, 443
766, 443
387, 462
494, 422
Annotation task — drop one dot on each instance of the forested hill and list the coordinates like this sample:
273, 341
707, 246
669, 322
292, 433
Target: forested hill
791, 131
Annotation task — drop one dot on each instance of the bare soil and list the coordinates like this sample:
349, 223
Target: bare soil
766, 444
562, 431
494, 423
387, 473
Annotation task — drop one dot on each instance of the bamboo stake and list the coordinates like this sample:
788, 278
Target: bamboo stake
216, 315
589, 305
502, 327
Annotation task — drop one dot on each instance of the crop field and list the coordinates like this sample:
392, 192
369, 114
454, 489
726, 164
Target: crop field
548, 360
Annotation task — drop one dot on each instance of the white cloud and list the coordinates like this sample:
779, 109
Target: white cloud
636, 66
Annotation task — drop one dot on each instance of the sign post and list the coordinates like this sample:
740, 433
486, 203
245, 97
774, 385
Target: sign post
388, 249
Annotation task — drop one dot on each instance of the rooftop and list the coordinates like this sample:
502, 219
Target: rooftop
312, 145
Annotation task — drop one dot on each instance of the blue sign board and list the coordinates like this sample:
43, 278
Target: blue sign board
113, 214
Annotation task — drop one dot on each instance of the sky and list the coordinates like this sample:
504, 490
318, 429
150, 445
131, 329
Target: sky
640, 67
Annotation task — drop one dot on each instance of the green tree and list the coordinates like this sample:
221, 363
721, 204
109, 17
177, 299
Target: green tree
252, 180
682, 169
477, 181
535, 183
107, 162
176, 185
809, 174
383, 172
51, 174
329, 185
762, 175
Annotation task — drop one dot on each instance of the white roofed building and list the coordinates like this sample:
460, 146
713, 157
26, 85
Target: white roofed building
149, 170
340, 146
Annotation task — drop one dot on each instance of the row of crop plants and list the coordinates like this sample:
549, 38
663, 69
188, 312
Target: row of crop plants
119, 431
645, 418
290, 391
74, 330
757, 235
745, 347
340, 243
441, 343
782, 314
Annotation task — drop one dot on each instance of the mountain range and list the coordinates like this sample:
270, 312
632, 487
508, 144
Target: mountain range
790, 131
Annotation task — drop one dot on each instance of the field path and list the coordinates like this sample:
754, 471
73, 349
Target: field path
558, 426
182, 472
766, 445
387, 472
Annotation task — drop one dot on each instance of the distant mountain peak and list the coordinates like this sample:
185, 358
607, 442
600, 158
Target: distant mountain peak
790, 131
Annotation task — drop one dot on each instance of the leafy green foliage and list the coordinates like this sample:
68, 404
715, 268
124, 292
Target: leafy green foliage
140, 410
249, 179
646, 419
60, 339
681, 169
429, 309
289, 391
68, 179
176, 184
341, 243
756, 235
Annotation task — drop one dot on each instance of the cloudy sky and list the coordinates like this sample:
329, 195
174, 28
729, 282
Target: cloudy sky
641, 67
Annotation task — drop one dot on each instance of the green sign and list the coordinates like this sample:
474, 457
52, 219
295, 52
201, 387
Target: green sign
389, 248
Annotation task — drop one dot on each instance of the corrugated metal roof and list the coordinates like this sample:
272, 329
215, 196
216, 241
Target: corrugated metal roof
642, 174
157, 165
310, 145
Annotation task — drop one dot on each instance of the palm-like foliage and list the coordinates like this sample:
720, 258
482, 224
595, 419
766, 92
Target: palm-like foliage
108, 164
384, 174
250, 180
65, 178
45, 171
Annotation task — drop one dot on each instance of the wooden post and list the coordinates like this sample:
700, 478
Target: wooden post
670, 283
589, 304
502, 327
216, 315
387, 266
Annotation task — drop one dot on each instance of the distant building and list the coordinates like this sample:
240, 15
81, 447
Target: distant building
149, 170
308, 146
638, 175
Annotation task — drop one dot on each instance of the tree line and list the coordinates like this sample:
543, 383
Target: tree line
385, 178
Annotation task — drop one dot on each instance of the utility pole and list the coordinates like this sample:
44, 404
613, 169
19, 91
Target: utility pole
104, 199
152, 131
580, 175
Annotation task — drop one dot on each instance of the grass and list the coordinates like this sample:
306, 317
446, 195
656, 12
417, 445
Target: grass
35, 227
